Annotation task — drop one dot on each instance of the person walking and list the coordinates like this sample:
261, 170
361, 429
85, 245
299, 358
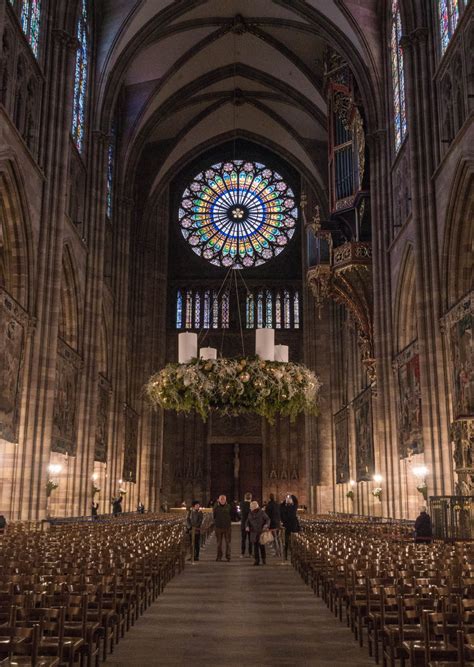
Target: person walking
244, 534
273, 512
193, 524
423, 527
289, 519
222, 526
257, 522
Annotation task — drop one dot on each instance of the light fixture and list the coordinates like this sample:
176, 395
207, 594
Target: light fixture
95, 476
420, 472
352, 482
54, 468
377, 478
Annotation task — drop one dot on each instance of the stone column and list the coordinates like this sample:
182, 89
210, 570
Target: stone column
29, 501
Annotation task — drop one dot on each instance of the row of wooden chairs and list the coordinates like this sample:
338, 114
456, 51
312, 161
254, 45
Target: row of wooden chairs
69, 594
413, 604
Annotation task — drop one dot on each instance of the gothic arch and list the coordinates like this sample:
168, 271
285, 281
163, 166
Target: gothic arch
406, 329
457, 266
16, 256
68, 327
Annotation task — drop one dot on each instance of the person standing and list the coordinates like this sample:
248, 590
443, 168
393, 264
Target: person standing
222, 526
244, 512
193, 523
423, 527
289, 519
117, 506
273, 512
257, 522
94, 510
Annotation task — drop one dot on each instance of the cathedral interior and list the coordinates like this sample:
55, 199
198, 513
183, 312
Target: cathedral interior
361, 113
231, 172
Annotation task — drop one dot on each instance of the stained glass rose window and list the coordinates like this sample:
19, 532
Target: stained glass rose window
238, 214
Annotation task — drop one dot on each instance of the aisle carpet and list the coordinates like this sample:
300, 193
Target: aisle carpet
229, 614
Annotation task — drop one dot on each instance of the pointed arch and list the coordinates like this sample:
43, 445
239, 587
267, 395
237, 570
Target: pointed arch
457, 267
68, 327
406, 326
16, 256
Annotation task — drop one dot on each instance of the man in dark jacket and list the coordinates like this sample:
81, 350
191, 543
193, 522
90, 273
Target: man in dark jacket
244, 512
273, 512
194, 520
257, 522
423, 528
222, 526
289, 519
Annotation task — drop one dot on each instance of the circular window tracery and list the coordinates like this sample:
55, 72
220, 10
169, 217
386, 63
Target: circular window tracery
238, 214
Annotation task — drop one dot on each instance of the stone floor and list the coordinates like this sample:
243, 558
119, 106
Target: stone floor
234, 614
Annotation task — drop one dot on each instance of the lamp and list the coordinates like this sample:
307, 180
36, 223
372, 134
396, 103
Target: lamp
420, 473
377, 492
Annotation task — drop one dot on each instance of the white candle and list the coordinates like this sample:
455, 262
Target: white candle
208, 353
187, 347
265, 344
281, 353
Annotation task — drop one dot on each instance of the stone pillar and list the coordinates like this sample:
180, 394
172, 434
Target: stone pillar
29, 499
422, 132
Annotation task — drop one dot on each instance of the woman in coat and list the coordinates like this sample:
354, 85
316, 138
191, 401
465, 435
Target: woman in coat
289, 519
257, 522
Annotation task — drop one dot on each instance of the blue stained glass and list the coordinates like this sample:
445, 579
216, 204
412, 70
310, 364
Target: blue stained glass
398, 78
110, 172
207, 310
31, 22
286, 309
448, 11
215, 309
197, 310
225, 310
296, 310
278, 310
238, 214
179, 310
250, 311
260, 310
268, 310
80, 79
189, 309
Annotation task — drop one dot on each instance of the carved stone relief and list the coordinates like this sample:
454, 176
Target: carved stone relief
12, 333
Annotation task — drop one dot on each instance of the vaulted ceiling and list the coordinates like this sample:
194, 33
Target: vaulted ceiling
194, 73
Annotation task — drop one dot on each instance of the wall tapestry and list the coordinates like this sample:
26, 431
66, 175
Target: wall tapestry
364, 436
341, 430
12, 327
410, 434
68, 365
460, 328
102, 425
130, 454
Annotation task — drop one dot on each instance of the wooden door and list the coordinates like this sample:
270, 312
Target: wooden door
222, 471
251, 471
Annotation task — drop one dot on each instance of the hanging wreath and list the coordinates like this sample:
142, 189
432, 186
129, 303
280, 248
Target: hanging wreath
236, 386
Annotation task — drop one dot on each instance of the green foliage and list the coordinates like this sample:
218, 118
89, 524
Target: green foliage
50, 487
236, 386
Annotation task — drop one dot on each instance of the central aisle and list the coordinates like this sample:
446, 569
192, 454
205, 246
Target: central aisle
229, 614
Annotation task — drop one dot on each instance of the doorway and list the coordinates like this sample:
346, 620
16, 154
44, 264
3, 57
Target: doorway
234, 478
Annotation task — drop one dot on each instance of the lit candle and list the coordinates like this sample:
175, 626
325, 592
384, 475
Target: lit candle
208, 353
265, 344
281, 353
187, 347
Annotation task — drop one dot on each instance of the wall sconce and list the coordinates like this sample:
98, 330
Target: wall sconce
377, 492
350, 493
420, 473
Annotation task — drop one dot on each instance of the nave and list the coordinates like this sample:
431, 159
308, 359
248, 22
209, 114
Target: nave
233, 614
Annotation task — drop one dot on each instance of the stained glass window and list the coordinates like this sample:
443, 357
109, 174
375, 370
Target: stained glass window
197, 310
215, 309
398, 78
207, 309
189, 309
286, 309
268, 310
80, 79
238, 214
30, 22
179, 310
448, 20
260, 309
110, 171
296, 310
278, 310
250, 311
225, 310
